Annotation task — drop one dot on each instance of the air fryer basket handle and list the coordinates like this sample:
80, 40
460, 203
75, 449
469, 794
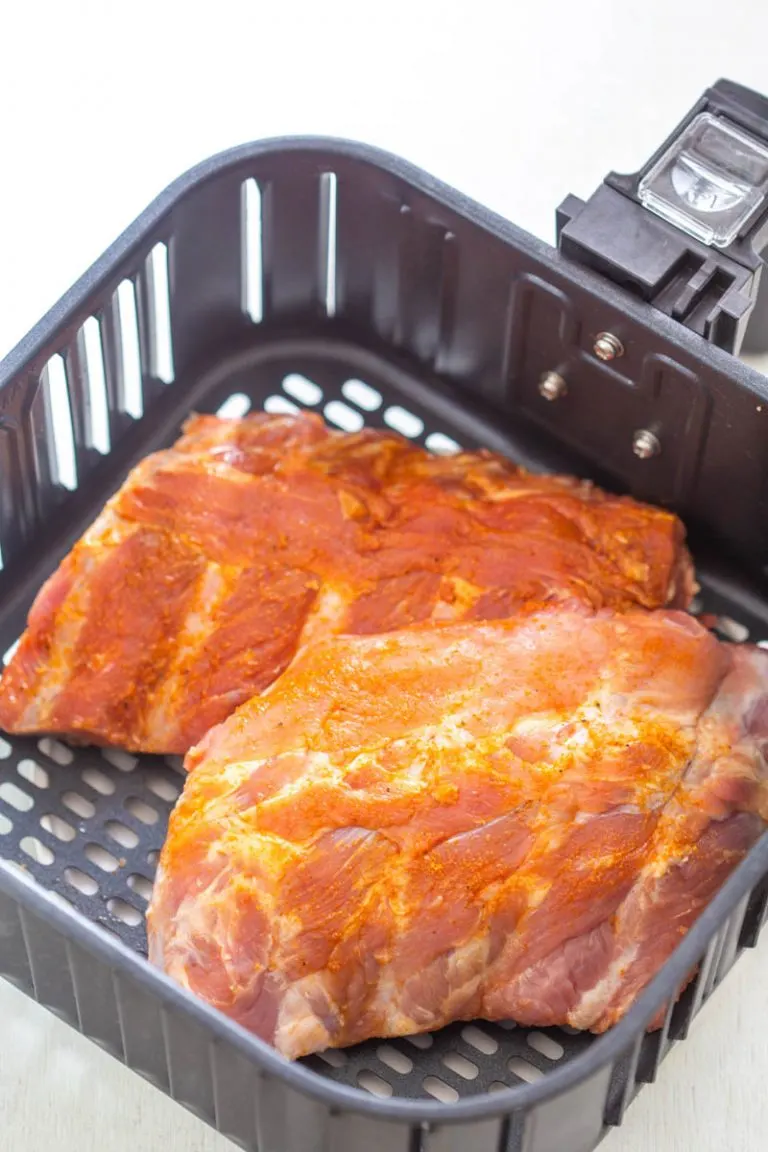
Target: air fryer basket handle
688, 231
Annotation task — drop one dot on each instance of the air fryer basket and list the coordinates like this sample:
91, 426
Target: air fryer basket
320, 274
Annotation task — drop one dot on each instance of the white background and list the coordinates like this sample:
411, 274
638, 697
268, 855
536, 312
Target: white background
102, 104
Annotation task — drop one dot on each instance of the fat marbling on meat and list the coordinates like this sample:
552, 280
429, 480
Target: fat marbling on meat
510, 819
221, 556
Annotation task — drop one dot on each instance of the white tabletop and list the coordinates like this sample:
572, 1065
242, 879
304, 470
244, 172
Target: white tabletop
101, 105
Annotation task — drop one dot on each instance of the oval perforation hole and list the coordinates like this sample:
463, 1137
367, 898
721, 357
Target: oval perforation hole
78, 804
234, 407
160, 302
441, 445
58, 419
5, 749
403, 421
13, 795
55, 750
343, 416
98, 781
280, 406
98, 411
695, 606
461, 1066
497, 1086
141, 886
480, 1040
99, 856
394, 1059
162, 787
124, 911
732, 629
762, 644
252, 264
6, 824
546, 1045
176, 763
30, 770
81, 881
421, 1040
361, 395
124, 761
523, 1070
439, 1089
36, 850
141, 811
303, 390
10, 652
57, 827
333, 1057
153, 857
373, 1083
328, 191
132, 398
123, 836
507, 1025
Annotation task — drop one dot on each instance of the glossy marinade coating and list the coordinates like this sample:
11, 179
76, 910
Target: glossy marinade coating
516, 819
220, 557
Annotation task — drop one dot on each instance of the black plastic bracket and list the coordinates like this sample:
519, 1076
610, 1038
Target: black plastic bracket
715, 291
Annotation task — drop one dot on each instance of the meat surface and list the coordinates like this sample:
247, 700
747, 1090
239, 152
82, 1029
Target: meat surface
511, 819
220, 557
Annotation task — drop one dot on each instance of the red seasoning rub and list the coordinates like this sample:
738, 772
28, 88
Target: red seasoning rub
507, 820
220, 557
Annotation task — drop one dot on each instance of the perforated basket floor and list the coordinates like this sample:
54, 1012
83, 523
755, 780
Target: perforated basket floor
88, 824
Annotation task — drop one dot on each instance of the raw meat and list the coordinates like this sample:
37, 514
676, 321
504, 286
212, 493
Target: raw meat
516, 819
221, 556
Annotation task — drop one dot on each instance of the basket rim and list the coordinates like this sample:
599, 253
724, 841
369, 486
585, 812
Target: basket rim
41, 342
148, 228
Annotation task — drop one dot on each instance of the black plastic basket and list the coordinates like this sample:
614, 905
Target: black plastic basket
323, 274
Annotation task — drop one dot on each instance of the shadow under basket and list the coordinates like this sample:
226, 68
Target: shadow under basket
324, 276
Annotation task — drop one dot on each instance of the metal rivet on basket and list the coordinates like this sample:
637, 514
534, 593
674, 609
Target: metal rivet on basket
645, 444
552, 386
608, 347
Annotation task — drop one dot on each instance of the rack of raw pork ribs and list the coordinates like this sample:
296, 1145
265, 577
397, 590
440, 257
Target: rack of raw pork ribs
455, 748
